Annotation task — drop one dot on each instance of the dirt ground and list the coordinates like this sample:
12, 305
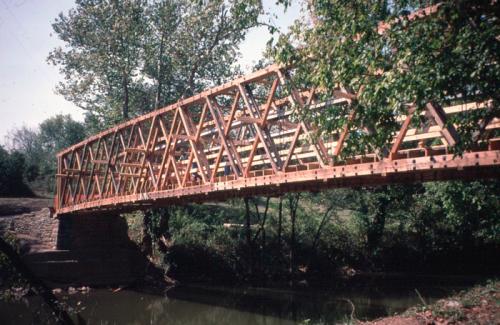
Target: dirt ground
19, 205
480, 305
29, 221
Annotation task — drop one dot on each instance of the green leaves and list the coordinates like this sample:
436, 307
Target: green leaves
124, 58
450, 56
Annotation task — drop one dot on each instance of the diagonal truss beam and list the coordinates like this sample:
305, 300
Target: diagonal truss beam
196, 147
262, 132
226, 142
296, 98
127, 167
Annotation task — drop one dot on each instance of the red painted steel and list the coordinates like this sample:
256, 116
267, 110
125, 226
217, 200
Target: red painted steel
242, 138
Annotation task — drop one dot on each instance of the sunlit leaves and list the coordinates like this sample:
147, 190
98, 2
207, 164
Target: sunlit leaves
124, 58
450, 57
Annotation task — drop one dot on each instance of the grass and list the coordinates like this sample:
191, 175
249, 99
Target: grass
482, 302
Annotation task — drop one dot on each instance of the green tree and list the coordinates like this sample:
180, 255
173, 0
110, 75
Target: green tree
448, 56
124, 58
55, 134
40, 145
25, 140
12, 167
458, 214
59, 132
101, 57
194, 44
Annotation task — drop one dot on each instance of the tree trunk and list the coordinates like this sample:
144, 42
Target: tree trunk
147, 241
164, 230
262, 230
320, 227
377, 227
263, 226
280, 221
159, 73
261, 220
293, 201
125, 98
248, 235
292, 246
164, 241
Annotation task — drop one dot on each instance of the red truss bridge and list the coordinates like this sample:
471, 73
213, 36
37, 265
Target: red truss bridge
242, 138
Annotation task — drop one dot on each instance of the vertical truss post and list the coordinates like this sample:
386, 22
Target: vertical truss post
170, 148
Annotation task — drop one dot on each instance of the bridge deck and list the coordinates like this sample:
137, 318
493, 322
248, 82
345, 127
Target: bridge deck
245, 138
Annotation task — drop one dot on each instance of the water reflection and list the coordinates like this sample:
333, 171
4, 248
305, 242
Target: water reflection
221, 305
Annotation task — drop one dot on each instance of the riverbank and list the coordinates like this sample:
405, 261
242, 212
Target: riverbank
326, 297
12, 206
209, 304
479, 305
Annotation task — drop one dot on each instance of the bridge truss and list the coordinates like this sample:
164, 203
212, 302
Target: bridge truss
244, 138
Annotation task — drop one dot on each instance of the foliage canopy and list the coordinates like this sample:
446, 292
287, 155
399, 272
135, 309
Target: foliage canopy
446, 56
125, 58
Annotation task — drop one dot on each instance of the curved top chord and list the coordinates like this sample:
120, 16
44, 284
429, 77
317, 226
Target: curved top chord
243, 138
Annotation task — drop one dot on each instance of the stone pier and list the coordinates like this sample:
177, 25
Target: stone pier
77, 249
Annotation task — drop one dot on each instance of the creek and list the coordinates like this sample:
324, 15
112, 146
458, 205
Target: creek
370, 297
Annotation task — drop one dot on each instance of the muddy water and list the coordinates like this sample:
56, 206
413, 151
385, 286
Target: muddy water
201, 304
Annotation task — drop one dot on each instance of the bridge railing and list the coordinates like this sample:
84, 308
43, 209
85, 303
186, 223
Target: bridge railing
230, 136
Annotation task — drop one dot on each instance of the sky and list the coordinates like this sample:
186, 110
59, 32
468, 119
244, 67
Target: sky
27, 81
